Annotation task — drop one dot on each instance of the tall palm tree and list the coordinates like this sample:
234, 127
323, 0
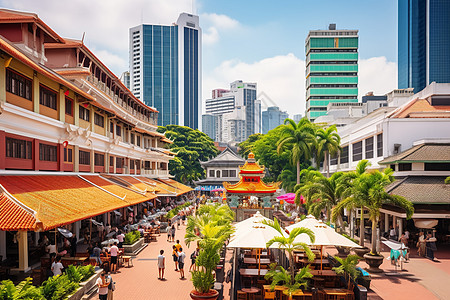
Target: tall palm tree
326, 191
289, 244
352, 202
306, 177
368, 191
287, 178
328, 142
299, 138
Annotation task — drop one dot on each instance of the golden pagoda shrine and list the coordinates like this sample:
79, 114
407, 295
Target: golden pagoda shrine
251, 194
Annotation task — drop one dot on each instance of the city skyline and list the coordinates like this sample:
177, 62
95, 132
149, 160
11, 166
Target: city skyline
273, 56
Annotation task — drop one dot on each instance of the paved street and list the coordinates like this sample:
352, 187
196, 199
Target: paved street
141, 281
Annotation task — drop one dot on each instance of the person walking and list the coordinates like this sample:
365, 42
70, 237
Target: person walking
102, 285
181, 257
194, 258
421, 245
431, 246
178, 245
178, 221
161, 265
120, 238
57, 266
114, 250
175, 257
111, 287
172, 232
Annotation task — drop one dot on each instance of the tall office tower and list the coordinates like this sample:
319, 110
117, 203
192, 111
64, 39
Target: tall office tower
272, 117
165, 69
125, 78
297, 118
242, 96
331, 69
423, 43
209, 125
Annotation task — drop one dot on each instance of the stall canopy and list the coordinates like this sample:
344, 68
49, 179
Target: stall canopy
181, 188
43, 202
207, 188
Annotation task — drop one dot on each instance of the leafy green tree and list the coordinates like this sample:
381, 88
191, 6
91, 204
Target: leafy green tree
191, 146
281, 275
299, 139
447, 180
289, 244
306, 177
287, 178
24, 290
328, 142
246, 146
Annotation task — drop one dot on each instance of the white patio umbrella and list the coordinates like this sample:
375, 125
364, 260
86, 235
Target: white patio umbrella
257, 218
324, 235
254, 236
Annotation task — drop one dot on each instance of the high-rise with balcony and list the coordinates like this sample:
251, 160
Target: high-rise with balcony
331, 69
165, 69
423, 43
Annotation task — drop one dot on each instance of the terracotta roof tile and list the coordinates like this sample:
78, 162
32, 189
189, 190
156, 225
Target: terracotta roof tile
420, 107
13, 216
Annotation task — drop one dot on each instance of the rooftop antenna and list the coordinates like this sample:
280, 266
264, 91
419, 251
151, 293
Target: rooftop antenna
82, 38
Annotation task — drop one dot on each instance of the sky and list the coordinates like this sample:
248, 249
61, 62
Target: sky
258, 41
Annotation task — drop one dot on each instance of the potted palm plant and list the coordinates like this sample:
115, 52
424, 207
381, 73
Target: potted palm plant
289, 244
209, 229
347, 267
292, 284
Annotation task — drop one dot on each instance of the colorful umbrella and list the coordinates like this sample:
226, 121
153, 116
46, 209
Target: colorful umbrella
290, 198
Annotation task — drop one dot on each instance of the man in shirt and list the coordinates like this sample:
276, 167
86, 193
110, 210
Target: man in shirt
178, 246
120, 238
114, 250
57, 266
181, 257
102, 284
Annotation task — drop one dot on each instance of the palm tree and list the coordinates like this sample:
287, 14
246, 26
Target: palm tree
327, 191
351, 202
368, 191
306, 177
328, 142
289, 244
280, 274
299, 138
348, 266
287, 178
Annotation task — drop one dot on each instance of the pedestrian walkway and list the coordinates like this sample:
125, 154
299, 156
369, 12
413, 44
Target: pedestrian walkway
141, 280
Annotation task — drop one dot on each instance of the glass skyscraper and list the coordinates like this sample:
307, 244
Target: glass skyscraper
423, 43
331, 69
165, 69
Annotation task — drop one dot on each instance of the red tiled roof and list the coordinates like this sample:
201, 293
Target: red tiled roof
182, 189
13, 216
420, 108
11, 16
60, 199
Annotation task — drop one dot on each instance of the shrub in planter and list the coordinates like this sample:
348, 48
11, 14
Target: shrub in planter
24, 290
132, 237
58, 287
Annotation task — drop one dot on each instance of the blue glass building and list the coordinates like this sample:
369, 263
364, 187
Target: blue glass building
423, 43
165, 69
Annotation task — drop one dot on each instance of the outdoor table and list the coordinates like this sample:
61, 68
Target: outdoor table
253, 272
337, 292
323, 273
255, 261
316, 261
251, 291
66, 261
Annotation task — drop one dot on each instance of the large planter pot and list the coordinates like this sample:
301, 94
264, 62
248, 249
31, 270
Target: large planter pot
374, 262
212, 295
343, 251
361, 251
132, 249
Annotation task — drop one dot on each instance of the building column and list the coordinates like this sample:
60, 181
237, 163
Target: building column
60, 149
352, 223
91, 117
92, 165
77, 226
35, 93
400, 226
62, 105
36, 155
22, 241
2, 149
2, 82
76, 112
76, 158
105, 218
36, 238
386, 222
3, 244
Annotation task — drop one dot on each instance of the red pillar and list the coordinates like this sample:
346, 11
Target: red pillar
2, 150
60, 159
36, 154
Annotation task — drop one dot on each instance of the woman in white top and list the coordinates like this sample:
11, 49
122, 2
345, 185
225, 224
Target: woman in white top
57, 266
161, 264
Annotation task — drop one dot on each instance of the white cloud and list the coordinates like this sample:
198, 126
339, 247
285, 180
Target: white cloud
377, 75
214, 25
106, 23
281, 79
